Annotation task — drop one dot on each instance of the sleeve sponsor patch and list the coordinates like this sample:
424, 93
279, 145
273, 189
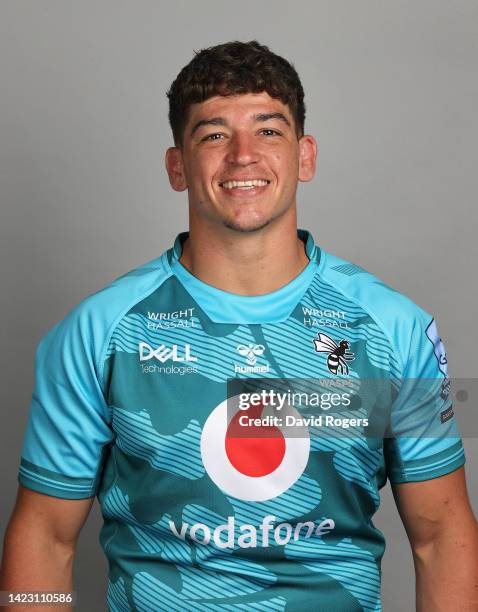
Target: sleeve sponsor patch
446, 414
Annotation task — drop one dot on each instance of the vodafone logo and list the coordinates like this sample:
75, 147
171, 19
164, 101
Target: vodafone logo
253, 465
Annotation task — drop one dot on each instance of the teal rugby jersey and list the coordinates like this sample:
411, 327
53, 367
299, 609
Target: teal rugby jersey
129, 405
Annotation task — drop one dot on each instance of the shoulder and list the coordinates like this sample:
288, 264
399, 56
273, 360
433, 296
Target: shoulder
84, 332
399, 317
124, 292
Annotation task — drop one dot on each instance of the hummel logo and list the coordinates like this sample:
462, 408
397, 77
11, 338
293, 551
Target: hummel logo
250, 352
162, 353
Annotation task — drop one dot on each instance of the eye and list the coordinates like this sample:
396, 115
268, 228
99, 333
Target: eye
215, 136
270, 132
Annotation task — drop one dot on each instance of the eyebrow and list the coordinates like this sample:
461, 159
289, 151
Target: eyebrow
259, 118
268, 116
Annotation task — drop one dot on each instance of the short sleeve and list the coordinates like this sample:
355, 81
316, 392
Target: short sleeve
68, 427
424, 440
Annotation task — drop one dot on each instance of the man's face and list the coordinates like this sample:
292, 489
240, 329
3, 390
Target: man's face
241, 160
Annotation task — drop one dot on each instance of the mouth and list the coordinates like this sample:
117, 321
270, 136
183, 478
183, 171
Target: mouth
244, 185
247, 188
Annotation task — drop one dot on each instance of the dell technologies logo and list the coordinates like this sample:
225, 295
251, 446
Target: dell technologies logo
163, 353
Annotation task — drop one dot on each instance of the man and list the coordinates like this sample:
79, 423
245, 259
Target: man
132, 402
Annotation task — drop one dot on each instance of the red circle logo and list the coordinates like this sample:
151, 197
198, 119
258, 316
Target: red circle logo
256, 463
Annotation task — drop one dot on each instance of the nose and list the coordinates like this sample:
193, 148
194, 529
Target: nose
242, 149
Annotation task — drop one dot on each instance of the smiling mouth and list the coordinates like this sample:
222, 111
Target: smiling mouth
244, 185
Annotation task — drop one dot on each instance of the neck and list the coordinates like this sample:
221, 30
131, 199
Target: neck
245, 263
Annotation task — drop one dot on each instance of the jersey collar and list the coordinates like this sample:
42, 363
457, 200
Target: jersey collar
225, 307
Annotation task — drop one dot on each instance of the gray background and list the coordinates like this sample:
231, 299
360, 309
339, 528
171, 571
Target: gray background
391, 91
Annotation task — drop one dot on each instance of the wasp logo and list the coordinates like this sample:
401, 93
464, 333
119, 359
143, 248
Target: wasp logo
338, 354
162, 353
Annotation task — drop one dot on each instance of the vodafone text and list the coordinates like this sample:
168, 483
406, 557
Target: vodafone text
223, 536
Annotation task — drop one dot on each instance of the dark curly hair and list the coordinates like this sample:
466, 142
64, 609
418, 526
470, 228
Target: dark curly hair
234, 68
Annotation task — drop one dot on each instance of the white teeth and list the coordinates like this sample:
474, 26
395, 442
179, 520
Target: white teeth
244, 184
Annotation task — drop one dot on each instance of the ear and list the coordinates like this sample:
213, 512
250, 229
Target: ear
307, 157
175, 169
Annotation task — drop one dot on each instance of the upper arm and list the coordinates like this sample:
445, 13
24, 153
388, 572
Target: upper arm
68, 428
52, 517
424, 442
429, 507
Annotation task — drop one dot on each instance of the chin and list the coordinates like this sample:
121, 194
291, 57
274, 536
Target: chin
247, 226
253, 223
